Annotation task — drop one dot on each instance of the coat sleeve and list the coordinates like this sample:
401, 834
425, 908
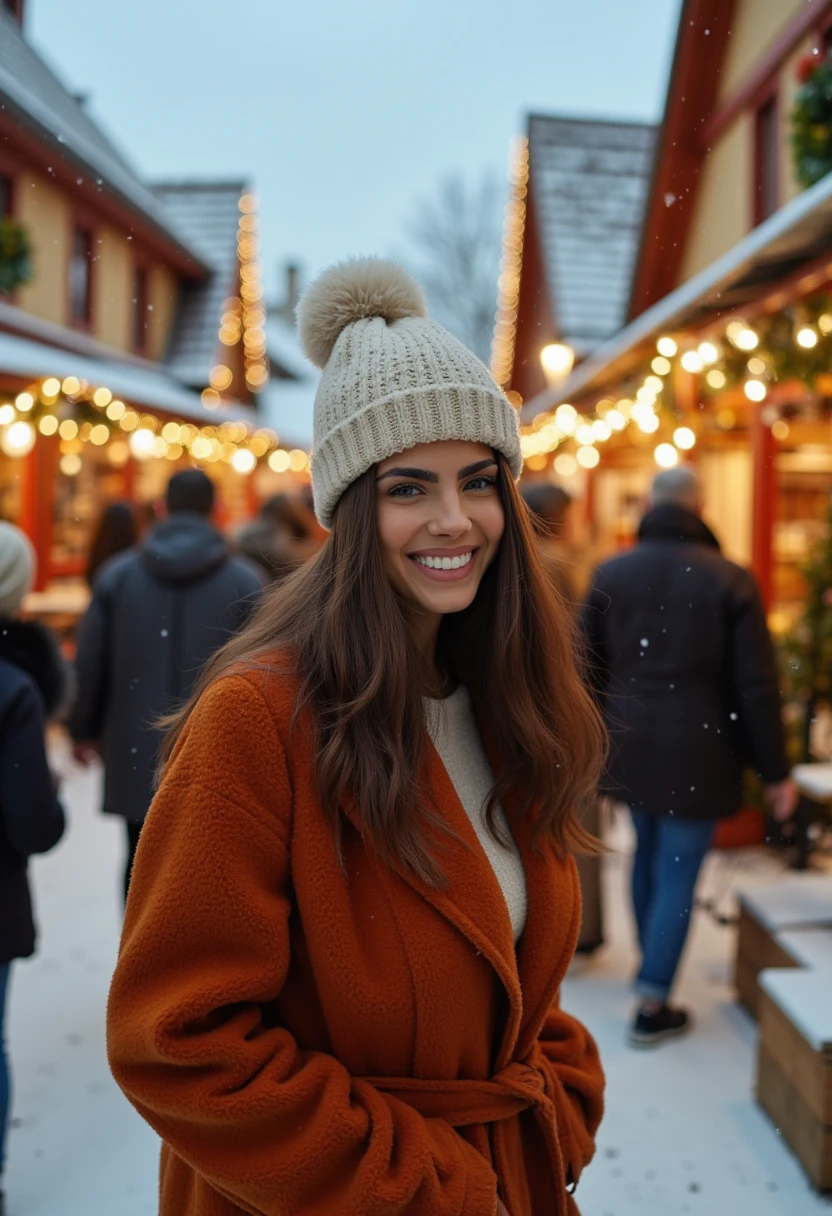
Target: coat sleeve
92, 656
756, 685
33, 818
192, 1034
575, 1083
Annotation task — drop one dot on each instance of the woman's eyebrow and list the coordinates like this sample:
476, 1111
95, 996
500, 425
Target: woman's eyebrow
416, 474
476, 468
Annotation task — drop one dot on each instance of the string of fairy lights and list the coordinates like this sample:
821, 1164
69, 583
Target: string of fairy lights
78, 414
792, 345
508, 285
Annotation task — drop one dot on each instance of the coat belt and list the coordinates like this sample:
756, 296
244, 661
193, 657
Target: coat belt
516, 1088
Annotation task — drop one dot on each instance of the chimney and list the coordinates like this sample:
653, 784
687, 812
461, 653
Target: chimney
15, 8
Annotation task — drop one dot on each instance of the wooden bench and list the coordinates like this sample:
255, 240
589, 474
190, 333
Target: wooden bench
795, 903
794, 1078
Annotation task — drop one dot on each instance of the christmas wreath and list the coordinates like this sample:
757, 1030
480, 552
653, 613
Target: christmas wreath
811, 120
15, 255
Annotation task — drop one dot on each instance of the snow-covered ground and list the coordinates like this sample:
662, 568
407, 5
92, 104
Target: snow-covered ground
682, 1132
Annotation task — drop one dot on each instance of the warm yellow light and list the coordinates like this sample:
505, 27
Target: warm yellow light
756, 365
251, 292
257, 376
741, 336
243, 460
174, 451
118, 452
806, 337
655, 384
692, 361
755, 390
708, 353
170, 432
115, 410
229, 336
667, 347
684, 438
715, 378
24, 402
645, 396
647, 421
298, 460
71, 386
557, 360
51, 387
585, 434
201, 448
7, 414
99, 435
102, 397
566, 416
160, 447
666, 456
18, 439
725, 419
70, 464
129, 420
537, 463
142, 443
259, 444
48, 424
825, 323
660, 365
602, 429
248, 203
565, 465
279, 461
220, 377
625, 407
588, 457
68, 429
210, 398
615, 419
780, 429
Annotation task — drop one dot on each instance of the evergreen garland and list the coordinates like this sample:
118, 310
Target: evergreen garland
15, 255
807, 648
811, 121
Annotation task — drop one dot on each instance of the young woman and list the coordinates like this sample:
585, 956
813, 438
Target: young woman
354, 901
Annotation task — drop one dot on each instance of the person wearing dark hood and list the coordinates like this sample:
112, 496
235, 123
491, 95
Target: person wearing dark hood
32, 690
680, 654
157, 613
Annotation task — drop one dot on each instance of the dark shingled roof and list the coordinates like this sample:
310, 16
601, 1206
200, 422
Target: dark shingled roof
209, 213
34, 96
589, 183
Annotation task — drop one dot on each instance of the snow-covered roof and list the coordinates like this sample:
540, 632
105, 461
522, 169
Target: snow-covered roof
209, 213
287, 402
148, 386
589, 183
32, 94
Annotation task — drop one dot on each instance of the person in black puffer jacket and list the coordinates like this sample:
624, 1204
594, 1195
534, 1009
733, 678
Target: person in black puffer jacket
681, 658
32, 689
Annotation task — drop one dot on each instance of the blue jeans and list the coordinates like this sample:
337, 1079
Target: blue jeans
5, 1077
669, 855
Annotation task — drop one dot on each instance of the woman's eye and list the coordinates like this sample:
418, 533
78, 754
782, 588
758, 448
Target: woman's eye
404, 491
480, 483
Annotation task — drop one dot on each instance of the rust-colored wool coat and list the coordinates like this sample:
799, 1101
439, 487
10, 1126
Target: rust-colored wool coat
316, 1041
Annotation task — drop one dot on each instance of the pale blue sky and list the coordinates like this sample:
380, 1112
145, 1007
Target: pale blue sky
344, 115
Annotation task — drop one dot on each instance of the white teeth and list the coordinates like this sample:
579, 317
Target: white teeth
445, 563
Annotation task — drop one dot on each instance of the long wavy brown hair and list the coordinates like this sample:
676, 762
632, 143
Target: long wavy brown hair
360, 675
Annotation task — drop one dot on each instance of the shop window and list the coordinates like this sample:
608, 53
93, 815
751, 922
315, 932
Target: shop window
80, 277
140, 309
5, 195
767, 161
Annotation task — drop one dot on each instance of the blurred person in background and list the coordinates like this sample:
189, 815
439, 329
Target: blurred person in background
279, 537
32, 690
682, 660
116, 530
549, 505
157, 613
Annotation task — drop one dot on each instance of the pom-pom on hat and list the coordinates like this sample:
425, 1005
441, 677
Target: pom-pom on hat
391, 378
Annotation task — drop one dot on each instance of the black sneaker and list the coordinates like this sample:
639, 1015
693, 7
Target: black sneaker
651, 1028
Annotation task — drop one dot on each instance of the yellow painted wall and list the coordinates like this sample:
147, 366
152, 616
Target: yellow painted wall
722, 209
162, 291
46, 214
112, 306
755, 25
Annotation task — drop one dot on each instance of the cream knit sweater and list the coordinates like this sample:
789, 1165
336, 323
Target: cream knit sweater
452, 728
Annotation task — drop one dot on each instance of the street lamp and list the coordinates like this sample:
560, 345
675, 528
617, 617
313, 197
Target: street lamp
556, 359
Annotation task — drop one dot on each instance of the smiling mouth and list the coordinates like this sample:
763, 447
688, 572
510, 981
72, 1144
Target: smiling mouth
444, 567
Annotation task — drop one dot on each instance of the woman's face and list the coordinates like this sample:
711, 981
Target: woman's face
440, 521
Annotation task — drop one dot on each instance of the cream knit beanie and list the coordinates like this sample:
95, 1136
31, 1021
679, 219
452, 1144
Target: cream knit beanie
392, 378
17, 568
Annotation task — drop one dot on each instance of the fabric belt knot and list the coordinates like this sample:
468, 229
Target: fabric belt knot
518, 1087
